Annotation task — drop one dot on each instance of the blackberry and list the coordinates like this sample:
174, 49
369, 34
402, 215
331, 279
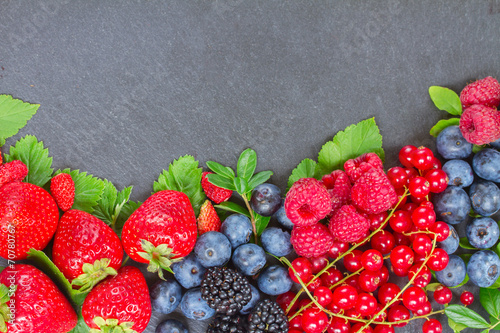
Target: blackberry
223, 324
225, 290
268, 316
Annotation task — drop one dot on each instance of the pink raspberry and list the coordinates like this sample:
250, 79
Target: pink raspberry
485, 92
307, 202
339, 187
311, 241
356, 167
12, 171
373, 193
347, 225
480, 124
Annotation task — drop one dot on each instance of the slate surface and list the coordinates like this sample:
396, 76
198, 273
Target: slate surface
126, 87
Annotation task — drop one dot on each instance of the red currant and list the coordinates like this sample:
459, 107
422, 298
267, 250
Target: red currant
423, 217
442, 295
400, 221
353, 281
401, 239
438, 260
414, 297
384, 275
318, 263
337, 249
372, 260
366, 304
353, 313
423, 309
438, 180
411, 173
356, 328
405, 155
432, 326
397, 176
284, 301
402, 197
398, 313
369, 281
331, 276
419, 187
333, 308
296, 323
314, 284
323, 295
295, 331
380, 316
410, 207
352, 261
401, 272
303, 268
314, 320
467, 298
422, 158
338, 325
383, 241
427, 204
345, 297
422, 244
441, 229
436, 163
402, 257
383, 329
423, 277
376, 220
388, 292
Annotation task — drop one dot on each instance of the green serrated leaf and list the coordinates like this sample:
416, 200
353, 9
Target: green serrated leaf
247, 162
127, 210
219, 169
35, 156
261, 223
464, 243
490, 300
259, 178
305, 169
442, 124
233, 207
363, 137
88, 190
446, 100
14, 114
465, 316
241, 185
105, 205
221, 182
456, 327
183, 175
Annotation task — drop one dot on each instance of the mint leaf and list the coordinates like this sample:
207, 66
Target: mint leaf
241, 185
490, 300
32, 153
14, 114
261, 223
464, 243
88, 190
233, 207
183, 175
220, 181
363, 137
219, 169
446, 100
247, 162
305, 169
259, 178
456, 327
465, 316
442, 124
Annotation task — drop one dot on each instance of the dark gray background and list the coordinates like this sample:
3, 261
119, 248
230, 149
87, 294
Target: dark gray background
126, 87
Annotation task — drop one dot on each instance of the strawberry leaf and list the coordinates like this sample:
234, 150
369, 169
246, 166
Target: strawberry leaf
221, 170
32, 153
363, 137
465, 316
183, 175
305, 169
233, 207
490, 300
14, 114
111, 203
442, 124
261, 223
247, 162
446, 100
88, 190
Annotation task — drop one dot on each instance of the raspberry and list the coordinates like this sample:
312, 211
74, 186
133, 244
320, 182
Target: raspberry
311, 241
485, 92
62, 188
215, 193
307, 202
347, 225
356, 167
339, 187
373, 192
480, 124
12, 171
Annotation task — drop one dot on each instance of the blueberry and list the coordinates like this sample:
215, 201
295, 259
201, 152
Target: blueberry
237, 229
451, 144
483, 268
253, 301
280, 215
274, 280
189, 271
452, 205
454, 273
276, 242
451, 243
249, 258
165, 296
482, 232
212, 249
194, 307
486, 164
171, 326
485, 197
266, 199
459, 173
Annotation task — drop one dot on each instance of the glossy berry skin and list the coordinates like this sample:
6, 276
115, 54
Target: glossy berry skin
281, 217
451, 144
314, 320
345, 297
331, 277
422, 158
482, 232
369, 281
238, 229
414, 297
383, 329
438, 260
353, 281
467, 298
266, 199
212, 249
384, 275
303, 270
451, 243
423, 309
62, 188
401, 239
376, 220
195, 307
422, 244
397, 176
352, 261
314, 284
483, 268
249, 258
357, 328
432, 326
274, 280
387, 293
485, 197
452, 205
338, 325
459, 173
486, 164
438, 180
318, 263
165, 296
189, 271
366, 304
441, 229
171, 326
337, 249
443, 295
398, 313
284, 300
419, 187
402, 257
423, 218
323, 295
383, 241
423, 277
405, 155
400, 221
372, 260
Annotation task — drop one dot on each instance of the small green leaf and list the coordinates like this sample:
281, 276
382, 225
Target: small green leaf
464, 243
219, 169
221, 182
490, 300
233, 207
456, 327
305, 169
465, 316
81, 326
247, 162
14, 114
446, 100
442, 124
261, 223
109, 207
241, 185
88, 190
432, 287
259, 178
476, 148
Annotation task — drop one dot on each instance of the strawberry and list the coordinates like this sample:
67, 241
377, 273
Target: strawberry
28, 219
121, 302
39, 306
12, 171
81, 241
214, 193
62, 188
208, 220
161, 231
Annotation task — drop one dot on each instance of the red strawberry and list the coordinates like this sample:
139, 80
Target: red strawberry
480, 124
485, 92
62, 188
208, 220
339, 188
12, 171
162, 230
28, 218
356, 167
80, 240
347, 225
307, 202
214, 193
39, 306
373, 193
311, 241
121, 300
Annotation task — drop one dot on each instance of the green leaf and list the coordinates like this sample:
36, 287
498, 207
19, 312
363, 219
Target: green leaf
261, 223
183, 175
465, 316
247, 162
233, 207
446, 99
259, 178
81, 326
111, 203
219, 169
220, 181
442, 124
305, 169
88, 190
14, 114
490, 300
476, 148
432, 287
363, 137
456, 327
35, 156
495, 285
127, 210
241, 185
464, 243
